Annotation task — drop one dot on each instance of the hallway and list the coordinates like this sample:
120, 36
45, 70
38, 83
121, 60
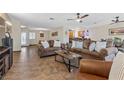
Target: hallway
29, 66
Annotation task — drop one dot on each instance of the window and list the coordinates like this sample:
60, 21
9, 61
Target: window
31, 35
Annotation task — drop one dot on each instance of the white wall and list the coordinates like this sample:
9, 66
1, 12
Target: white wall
46, 35
99, 32
37, 33
26, 30
16, 34
16, 31
62, 35
2, 29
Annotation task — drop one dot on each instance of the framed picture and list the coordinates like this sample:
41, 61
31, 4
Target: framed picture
116, 31
54, 34
41, 34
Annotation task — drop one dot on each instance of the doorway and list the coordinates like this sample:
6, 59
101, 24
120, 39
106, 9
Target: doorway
23, 39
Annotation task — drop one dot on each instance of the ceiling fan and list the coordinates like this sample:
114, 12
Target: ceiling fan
79, 17
116, 20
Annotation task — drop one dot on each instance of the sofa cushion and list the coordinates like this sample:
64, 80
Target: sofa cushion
86, 51
51, 43
109, 43
117, 69
86, 43
51, 49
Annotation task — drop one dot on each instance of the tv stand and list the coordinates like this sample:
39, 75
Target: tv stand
5, 60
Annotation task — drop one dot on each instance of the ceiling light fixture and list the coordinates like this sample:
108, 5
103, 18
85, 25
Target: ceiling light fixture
43, 29
51, 18
78, 20
22, 26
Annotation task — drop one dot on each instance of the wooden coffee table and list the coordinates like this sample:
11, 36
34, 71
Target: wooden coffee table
70, 56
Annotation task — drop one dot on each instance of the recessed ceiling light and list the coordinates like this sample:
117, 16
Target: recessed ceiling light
43, 29
51, 18
22, 26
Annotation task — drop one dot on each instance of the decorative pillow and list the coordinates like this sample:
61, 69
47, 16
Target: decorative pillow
57, 43
92, 46
100, 45
45, 44
79, 44
110, 57
117, 69
112, 50
73, 44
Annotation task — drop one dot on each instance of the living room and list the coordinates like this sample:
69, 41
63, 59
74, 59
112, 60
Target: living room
55, 46
75, 34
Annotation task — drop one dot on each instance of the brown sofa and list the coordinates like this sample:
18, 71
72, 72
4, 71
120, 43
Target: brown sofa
93, 70
86, 54
42, 52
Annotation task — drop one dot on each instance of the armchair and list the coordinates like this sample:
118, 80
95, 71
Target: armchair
93, 70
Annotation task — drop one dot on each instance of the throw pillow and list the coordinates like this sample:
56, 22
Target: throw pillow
45, 44
92, 46
110, 57
79, 44
100, 45
117, 69
57, 43
73, 44
112, 50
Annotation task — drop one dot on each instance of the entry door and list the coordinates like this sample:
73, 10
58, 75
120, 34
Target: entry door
23, 39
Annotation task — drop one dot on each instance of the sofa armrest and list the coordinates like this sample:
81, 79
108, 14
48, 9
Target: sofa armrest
41, 50
95, 67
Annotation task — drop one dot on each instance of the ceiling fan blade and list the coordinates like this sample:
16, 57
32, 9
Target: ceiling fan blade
84, 16
121, 21
111, 23
70, 19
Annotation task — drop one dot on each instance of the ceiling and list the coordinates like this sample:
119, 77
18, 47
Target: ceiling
41, 20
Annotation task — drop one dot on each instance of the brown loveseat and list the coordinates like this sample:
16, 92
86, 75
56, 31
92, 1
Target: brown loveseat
93, 70
42, 52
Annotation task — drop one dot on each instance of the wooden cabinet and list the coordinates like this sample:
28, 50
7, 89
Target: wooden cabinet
6, 49
5, 62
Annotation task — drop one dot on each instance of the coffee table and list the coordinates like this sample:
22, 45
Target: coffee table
70, 56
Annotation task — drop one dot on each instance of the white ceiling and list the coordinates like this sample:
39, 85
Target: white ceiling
41, 20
